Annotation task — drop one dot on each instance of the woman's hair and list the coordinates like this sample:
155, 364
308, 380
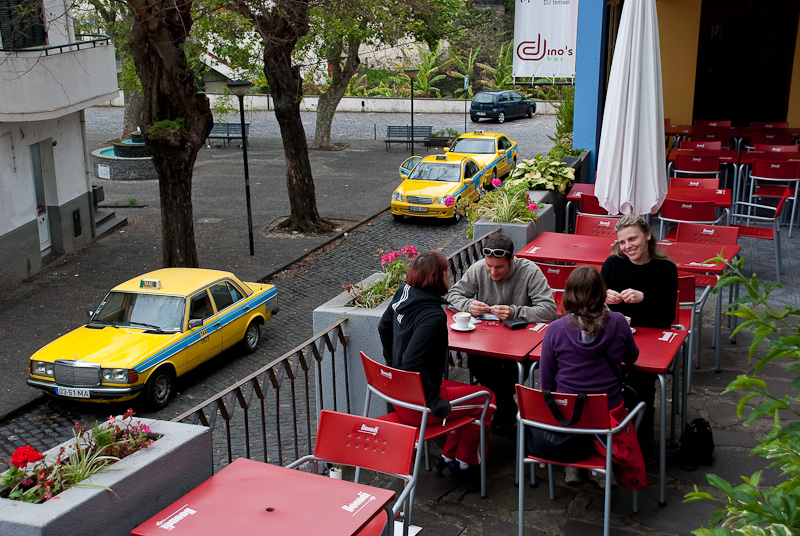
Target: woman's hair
634, 220
428, 272
585, 299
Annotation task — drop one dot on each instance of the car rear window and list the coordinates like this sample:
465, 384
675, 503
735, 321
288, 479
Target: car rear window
484, 97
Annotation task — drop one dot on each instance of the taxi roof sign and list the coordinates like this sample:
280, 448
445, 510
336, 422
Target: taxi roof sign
154, 284
479, 132
441, 157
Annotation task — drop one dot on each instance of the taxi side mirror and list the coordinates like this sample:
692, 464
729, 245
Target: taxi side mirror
195, 323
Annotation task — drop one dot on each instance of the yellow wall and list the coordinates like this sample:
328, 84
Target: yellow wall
678, 30
793, 115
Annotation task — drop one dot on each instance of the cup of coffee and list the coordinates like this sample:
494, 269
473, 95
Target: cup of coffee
628, 319
462, 319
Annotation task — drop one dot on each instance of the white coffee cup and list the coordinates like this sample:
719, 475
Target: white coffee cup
462, 319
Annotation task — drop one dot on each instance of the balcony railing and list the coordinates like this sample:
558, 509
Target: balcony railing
91, 42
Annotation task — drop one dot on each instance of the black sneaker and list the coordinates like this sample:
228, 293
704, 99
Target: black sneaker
439, 464
453, 471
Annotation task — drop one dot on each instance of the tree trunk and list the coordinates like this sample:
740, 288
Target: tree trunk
177, 119
329, 100
134, 108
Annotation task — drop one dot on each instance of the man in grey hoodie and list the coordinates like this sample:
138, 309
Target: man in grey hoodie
506, 287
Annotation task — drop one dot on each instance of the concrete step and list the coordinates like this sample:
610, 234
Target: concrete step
107, 221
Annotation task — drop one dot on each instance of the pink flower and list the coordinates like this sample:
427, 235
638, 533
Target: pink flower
532, 206
497, 183
449, 201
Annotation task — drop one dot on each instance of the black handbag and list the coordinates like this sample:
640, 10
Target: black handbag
559, 446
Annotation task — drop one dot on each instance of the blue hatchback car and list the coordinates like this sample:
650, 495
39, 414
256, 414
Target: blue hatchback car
500, 105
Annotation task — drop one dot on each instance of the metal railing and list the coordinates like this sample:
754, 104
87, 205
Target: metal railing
260, 423
96, 40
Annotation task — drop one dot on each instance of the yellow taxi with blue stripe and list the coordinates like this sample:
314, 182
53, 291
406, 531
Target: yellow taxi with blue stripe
149, 331
434, 184
493, 151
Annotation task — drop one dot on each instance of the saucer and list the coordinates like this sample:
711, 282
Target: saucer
633, 330
457, 328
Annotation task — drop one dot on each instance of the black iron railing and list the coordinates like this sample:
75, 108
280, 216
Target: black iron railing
93, 41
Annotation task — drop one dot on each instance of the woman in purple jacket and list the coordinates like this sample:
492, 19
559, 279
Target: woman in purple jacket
583, 352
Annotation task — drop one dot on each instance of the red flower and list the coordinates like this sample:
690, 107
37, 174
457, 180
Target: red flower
25, 455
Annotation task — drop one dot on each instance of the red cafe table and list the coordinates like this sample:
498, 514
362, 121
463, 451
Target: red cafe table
657, 351
250, 497
492, 339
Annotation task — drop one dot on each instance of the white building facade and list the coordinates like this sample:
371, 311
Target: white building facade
48, 77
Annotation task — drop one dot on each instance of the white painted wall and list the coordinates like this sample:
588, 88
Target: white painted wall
18, 202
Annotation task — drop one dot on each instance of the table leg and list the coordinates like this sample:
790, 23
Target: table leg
718, 331
662, 443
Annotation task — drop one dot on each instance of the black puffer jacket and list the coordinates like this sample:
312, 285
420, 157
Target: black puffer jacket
413, 332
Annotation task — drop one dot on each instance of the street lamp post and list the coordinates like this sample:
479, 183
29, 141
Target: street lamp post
412, 72
240, 89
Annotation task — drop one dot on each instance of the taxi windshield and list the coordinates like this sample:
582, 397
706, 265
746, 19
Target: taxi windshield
138, 310
473, 146
429, 171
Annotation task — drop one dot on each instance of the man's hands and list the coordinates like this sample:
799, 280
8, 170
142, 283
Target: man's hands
628, 295
478, 308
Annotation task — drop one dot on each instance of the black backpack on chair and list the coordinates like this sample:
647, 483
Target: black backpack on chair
697, 445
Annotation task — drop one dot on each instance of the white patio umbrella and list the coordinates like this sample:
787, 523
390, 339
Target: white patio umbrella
631, 167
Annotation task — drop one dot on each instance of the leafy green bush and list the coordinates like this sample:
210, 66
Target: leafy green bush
395, 266
540, 173
508, 202
750, 508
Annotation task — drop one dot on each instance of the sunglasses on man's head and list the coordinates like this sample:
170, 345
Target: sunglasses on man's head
497, 253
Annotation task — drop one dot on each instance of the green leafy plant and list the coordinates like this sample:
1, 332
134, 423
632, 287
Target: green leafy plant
445, 133
541, 173
464, 68
395, 266
508, 203
168, 125
751, 508
501, 74
92, 449
132, 201
431, 61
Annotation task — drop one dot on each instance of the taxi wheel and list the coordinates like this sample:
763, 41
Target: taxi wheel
456, 217
501, 117
158, 389
252, 337
398, 217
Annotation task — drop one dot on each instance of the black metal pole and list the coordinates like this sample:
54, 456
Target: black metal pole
246, 175
412, 116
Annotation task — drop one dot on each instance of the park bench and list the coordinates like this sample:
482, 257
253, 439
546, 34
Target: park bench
227, 132
402, 134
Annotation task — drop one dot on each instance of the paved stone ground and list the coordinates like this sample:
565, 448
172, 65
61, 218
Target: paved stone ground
352, 186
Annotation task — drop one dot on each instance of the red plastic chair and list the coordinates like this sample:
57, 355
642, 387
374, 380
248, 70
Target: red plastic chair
724, 135
556, 275
403, 388
709, 145
767, 148
589, 204
674, 211
594, 420
745, 212
586, 224
768, 136
696, 166
686, 182
782, 179
711, 123
769, 124
381, 446
690, 316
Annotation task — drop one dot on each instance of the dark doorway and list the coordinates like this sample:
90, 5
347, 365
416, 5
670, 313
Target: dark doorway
744, 60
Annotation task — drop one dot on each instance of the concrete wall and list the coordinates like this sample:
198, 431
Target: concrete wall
678, 31
19, 254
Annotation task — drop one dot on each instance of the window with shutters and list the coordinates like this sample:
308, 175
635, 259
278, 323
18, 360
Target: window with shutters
22, 24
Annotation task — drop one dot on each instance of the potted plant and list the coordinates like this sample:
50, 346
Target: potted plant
442, 138
550, 175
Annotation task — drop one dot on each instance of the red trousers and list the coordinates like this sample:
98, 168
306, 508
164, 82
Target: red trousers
462, 443
627, 454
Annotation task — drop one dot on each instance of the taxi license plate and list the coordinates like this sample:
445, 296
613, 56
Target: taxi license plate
418, 209
480, 113
74, 393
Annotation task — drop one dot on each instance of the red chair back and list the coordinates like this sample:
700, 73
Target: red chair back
595, 226
769, 136
688, 211
767, 148
364, 442
686, 182
711, 123
589, 204
690, 163
701, 233
769, 124
394, 383
686, 289
556, 274
709, 145
725, 136
533, 407
775, 169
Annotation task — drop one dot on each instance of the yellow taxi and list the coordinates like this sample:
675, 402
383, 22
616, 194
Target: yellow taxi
434, 184
492, 150
150, 330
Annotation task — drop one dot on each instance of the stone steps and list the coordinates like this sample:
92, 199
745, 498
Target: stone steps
106, 221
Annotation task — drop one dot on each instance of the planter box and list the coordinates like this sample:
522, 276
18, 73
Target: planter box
362, 336
520, 233
143, 484
440, 142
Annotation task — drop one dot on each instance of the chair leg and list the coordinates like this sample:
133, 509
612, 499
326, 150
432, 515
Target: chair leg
551, 481
427, 457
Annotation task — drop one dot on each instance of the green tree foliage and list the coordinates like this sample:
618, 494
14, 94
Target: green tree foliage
751, 508
464, 66
501, 74
431, 62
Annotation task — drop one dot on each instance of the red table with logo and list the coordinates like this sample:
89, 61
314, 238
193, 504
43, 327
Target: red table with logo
492, 339
250, 497
657, 351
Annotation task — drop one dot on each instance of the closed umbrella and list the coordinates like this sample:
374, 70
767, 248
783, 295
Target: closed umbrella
631, 167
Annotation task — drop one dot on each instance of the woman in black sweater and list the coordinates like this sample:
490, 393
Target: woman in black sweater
413, 333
